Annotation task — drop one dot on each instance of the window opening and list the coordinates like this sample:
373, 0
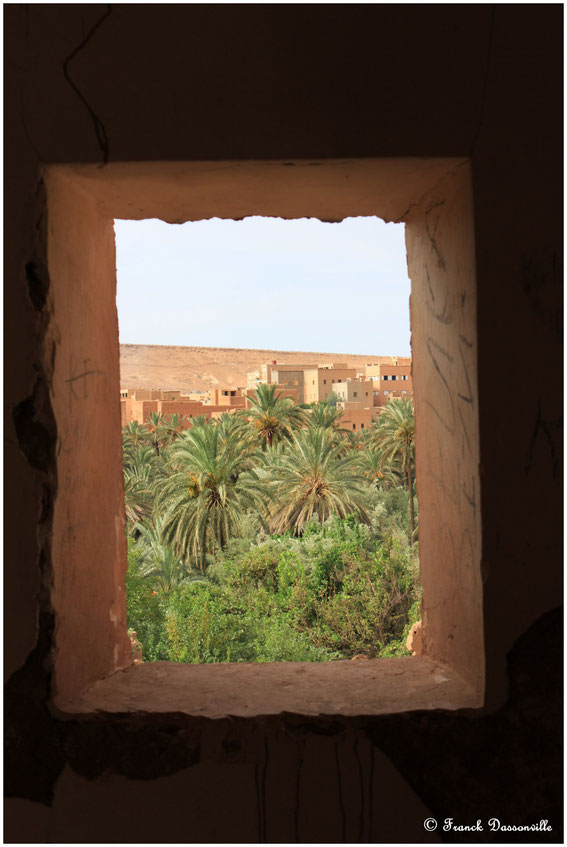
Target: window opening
244, 585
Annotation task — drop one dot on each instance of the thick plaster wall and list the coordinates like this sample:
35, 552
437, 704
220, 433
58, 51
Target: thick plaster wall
193, 83
88, 537
441, 261
90, 636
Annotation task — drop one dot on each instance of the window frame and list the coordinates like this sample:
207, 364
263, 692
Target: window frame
90, 634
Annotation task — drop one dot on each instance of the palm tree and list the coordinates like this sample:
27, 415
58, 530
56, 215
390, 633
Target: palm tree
134, 435
210, 487
235, 422
311, 477
159, 560
138, 499
172, 428
376, 470
273, 416
139, 479
155, 423
324, 415
200, 420
354, 441
394, 435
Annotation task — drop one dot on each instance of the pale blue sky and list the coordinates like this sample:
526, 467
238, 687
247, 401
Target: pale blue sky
265, 283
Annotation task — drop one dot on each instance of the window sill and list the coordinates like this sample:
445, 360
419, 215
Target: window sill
359, 687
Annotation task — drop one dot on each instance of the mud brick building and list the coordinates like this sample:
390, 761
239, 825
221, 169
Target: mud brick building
390, 380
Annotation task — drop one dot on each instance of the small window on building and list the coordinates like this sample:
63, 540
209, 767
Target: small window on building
324, 382
386, 392
385, 377
404, 392
367, 394
393, 377
340, 380
362, 427
355, 394
354, 426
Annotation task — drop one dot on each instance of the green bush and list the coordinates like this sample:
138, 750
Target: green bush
336, 591
146, 609
202, 628
254, 569
367, 606
279, 641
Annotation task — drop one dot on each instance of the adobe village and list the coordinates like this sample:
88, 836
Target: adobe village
188, 381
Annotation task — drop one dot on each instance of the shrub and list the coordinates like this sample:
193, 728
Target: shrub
145, 609
279, 641
368, 603
256, 568
201, 628
331, 593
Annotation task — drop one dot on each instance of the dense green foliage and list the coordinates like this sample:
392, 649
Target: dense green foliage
271, 535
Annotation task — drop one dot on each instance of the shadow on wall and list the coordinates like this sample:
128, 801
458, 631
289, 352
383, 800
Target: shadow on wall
294, 778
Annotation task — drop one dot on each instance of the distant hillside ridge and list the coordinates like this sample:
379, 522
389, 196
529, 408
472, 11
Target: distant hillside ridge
198, 368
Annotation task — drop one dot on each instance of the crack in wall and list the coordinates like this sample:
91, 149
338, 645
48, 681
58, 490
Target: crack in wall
431, 190
99, 127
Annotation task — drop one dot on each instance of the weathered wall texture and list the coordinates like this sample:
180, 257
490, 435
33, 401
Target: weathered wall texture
440, 247
87, 529
183, 83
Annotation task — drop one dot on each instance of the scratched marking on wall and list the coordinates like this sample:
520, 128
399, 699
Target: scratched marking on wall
80, 381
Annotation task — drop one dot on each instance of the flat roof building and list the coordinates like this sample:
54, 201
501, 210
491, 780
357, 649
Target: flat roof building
355, 391
389, 381
318, 382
